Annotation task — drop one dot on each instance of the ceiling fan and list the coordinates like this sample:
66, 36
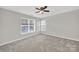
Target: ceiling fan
42, 9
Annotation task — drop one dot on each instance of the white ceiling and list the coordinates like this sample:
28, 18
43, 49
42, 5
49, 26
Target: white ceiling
30, 10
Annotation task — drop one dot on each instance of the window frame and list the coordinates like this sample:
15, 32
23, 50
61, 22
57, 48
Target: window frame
27, 25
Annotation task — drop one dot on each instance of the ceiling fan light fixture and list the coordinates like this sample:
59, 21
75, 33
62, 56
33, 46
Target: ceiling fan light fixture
41, 12
42, 9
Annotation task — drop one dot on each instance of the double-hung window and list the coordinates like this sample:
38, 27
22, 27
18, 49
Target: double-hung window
27, 26
43, 25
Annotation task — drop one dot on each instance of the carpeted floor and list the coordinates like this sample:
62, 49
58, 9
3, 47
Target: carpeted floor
42, 43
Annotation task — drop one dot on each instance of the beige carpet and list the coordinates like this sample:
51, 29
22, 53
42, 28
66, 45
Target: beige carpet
42, 43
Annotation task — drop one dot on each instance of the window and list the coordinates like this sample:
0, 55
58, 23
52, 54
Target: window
27, 26
43, 25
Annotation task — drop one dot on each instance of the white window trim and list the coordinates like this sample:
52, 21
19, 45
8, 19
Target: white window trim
27, 25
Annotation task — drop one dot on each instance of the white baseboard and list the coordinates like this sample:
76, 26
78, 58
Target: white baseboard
17, 39
36, 34
60, 36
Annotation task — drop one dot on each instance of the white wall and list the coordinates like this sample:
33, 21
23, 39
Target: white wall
10, 25
64, 25
0, 26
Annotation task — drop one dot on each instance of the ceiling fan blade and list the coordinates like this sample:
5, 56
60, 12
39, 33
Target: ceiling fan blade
46, 11
37, 8
37, 11
45, 7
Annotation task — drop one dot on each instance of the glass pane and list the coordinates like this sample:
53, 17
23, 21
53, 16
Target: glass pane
24, 22
31, 22
43, 25
38, 25
24, 29
31, 28
43, 22
43, 28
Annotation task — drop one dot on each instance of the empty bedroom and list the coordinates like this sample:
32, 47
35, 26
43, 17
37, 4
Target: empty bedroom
39, 28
